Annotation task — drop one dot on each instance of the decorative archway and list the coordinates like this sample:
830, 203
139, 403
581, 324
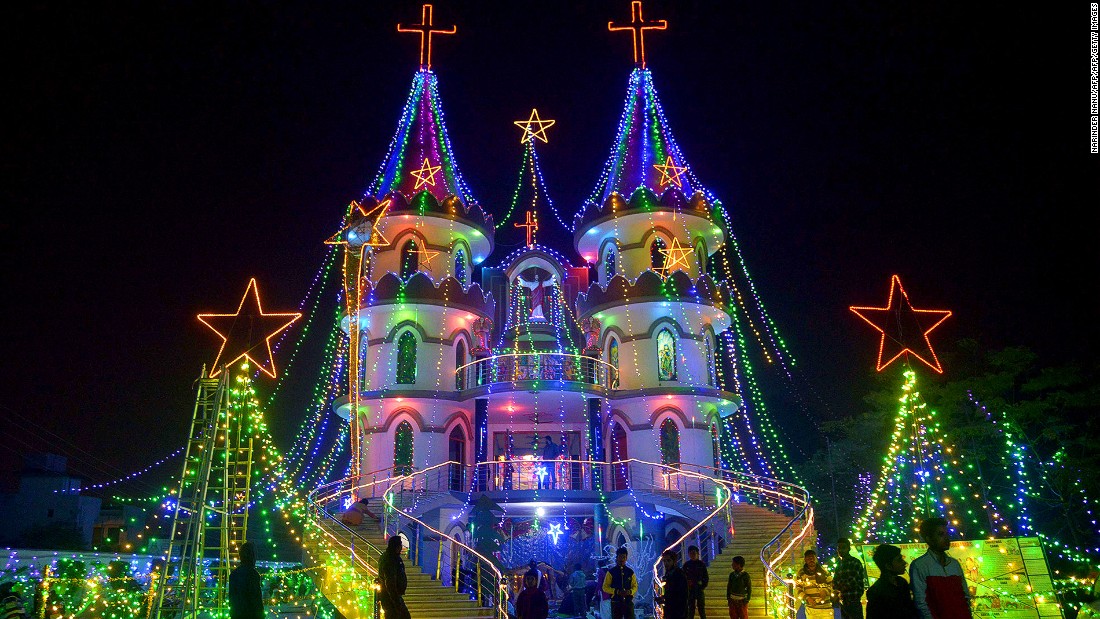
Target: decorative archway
403, 449
670, 442
618, 450
456, 452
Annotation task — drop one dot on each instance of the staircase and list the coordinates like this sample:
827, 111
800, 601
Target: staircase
425, 596
753, 528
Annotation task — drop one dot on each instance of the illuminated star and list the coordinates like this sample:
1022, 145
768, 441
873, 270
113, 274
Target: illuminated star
248, 333
904, 326
539, 132
670, 172
427, 256
363, 228
676, 254
555, 532
426, 174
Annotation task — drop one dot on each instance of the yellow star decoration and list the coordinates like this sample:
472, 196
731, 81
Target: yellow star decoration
530, 134
426, 256
676, 254
248, 333
352, 233
670, 172
426, 174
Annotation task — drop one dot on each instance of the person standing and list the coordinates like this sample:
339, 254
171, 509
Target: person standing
532, 602
698, 578
890, 597
674, 601
603, 598
393, 581
246, 600
939, 586
550, 455
739, 590
577, 582
850, 580
622, 585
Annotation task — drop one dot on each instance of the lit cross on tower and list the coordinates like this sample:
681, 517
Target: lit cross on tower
639, 25
425, 30
532, 226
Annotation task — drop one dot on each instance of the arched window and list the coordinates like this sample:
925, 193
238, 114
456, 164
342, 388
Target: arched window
456, 453
609, 266
619, 453
716, 443
613, 361
656, 254
460, 360
701, 256
406, 358
670, 442
403, 449
460, 266
666, 355
410, 259
709, 346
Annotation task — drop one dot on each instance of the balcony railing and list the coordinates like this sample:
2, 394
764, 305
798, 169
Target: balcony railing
536, 366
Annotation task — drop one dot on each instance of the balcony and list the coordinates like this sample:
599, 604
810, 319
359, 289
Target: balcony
536, 366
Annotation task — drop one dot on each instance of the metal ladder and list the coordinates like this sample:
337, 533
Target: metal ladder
183, 580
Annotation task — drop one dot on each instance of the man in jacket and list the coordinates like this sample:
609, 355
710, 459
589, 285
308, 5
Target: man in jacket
697, 577
850, 581
393, 581
939, 586
675, 598
622, 585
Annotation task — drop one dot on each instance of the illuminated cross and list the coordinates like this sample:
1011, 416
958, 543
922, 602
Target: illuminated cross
532, 226
639, 25
425, 30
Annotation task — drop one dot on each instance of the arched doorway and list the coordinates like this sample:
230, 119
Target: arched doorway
403, 449
618, 451
456, 452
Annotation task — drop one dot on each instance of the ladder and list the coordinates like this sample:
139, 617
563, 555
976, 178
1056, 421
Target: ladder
228, 526
184, 581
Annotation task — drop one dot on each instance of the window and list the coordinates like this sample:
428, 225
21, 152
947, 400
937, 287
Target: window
613, 361
457, 454
666, 355
406, 358
709, 346
656, 254
410, 259
403, 449
701, 256
609, 264
460, 266
460, 360
670, 442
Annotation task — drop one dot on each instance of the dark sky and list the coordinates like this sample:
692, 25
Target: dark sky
156, 155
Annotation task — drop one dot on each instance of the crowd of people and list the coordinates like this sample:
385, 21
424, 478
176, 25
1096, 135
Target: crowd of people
936, 588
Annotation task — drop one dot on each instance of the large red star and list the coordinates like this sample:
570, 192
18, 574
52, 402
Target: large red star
248, 333
904, 326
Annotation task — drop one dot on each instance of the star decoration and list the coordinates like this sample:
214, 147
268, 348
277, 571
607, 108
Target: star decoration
247, 334
366, 227
427, 256
555, 531
670, 172
539, 132
426, 174
676, 254
906, 327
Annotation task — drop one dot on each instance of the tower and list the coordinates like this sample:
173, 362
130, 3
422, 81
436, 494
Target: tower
649, 230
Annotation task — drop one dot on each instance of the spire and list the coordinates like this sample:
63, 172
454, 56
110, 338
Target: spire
420, 157
644, 153
531, 202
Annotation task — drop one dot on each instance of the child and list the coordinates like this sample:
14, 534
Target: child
531, 603
739, 589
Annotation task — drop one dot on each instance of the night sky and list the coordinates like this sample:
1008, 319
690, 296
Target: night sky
157, 155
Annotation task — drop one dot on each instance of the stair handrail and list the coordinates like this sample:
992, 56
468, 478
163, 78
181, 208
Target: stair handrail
483, 563
317, 504
774, 552
721, 506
